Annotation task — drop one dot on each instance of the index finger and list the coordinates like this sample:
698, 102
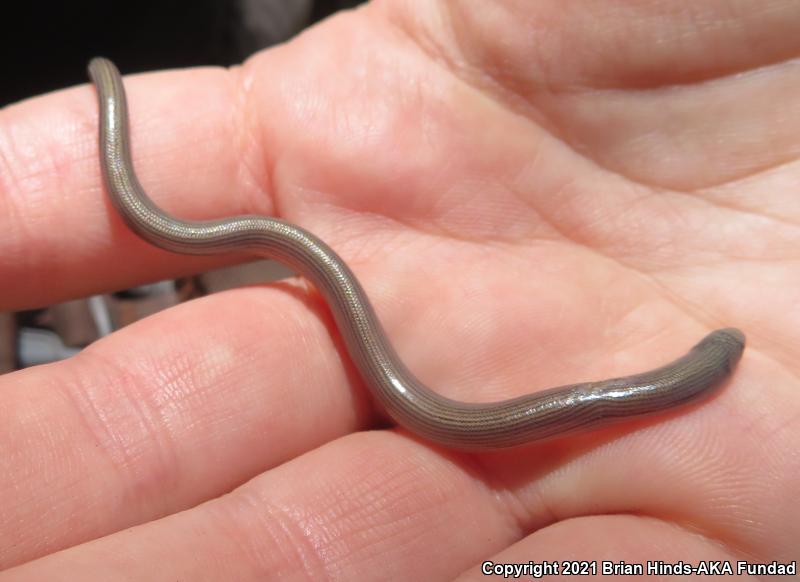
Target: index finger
59, 236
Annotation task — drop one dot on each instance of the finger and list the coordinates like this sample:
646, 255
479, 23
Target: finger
354, 509
60, 236
166, 413
358, 507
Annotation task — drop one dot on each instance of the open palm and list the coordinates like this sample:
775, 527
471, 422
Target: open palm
532, 195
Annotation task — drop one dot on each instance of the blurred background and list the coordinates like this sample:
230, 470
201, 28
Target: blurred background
46, 47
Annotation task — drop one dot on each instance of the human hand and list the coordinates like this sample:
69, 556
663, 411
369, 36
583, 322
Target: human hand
530, 197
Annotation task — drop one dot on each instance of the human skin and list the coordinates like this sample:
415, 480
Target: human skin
531, 194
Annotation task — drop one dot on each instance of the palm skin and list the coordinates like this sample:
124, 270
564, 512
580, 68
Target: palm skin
531, 196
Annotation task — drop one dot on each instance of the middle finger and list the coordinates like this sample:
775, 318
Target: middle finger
177, 408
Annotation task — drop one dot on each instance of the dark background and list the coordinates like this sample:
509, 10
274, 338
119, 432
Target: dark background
46, 46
